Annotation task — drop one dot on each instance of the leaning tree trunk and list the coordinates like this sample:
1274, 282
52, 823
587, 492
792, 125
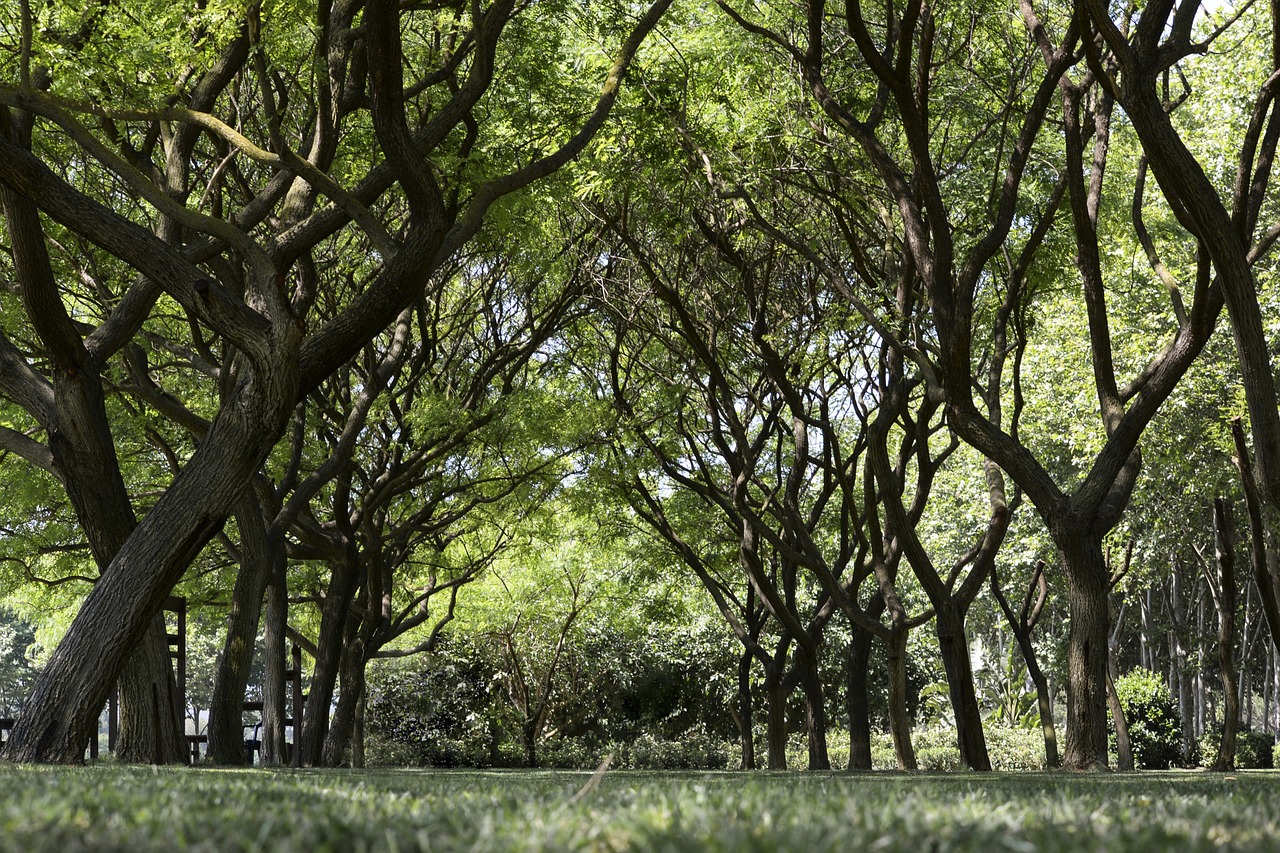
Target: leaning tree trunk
1044, 701
1088, 583
342, 727
1124, 747
230, 678
61, 713
333, 632
954, 645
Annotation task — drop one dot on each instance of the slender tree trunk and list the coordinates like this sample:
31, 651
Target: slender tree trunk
954, 645
275, 654
1180, 663
357, 738
333, 632
899, 719
815, 709
1044, 701
1088, 583
745, 714
776, 727
226, 732
1124, 747
1224, 552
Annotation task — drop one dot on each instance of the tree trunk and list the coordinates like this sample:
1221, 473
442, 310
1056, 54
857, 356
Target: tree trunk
745, 714
815, 708
1124, 747
275, 656
337, 740
1224, 552
530, 735
899, 719
333, 632
1044, 700
149, 704
858, 700
357, 738
1088, 583
226, 732
954, 646
777, 721
61, 713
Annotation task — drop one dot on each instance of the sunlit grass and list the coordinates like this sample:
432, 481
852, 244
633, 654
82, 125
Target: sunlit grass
120, 808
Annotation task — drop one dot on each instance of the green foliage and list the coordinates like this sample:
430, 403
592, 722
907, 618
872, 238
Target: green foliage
1254, 750
17, 643
1011, 749
1154, 727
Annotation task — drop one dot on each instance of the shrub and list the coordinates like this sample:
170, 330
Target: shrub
1015, 748
1154, 728
1254, 750
689, 753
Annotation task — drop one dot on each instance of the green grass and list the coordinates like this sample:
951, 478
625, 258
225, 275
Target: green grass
120, 808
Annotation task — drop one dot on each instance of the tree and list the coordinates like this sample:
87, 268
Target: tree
893, 121
254, 292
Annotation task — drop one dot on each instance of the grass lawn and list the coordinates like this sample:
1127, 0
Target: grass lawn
129, 808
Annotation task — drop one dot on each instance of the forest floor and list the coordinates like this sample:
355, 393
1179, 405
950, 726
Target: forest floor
130, 808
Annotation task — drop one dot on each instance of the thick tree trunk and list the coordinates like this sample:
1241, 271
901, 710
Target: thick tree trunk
338, 739
954, 645
1088, 583
61, 714
149, 704
529, 732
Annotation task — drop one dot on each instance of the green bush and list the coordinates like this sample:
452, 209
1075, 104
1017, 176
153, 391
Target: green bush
1015, 748
1155, 731
689, 753
1254, 750
1009, 748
